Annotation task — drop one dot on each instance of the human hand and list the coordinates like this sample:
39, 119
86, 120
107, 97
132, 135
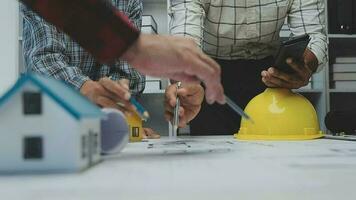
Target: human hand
176, 58
303, 71
107, 93
149, 133
190, 96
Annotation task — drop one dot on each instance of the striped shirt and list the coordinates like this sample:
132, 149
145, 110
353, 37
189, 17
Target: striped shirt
248, 29
49, 51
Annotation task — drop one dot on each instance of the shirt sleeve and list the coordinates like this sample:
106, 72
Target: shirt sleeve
308, 16
187, 19
96, 25
45, 51
135, 13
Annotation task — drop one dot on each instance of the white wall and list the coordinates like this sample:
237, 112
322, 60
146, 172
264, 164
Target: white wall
9, 14
159, 11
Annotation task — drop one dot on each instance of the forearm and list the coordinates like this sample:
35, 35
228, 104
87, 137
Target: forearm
53, 65
309, 17
71, 75
96, 25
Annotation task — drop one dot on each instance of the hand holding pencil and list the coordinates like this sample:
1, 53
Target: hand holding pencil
137, 107
109, 93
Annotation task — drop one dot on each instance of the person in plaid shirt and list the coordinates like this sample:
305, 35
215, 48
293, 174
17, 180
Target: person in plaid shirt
51, 52
107, 34
243, 36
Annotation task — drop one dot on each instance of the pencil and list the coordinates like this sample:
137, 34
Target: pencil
237, 109
141, 111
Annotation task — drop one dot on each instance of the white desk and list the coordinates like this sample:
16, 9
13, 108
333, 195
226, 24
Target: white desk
320, 169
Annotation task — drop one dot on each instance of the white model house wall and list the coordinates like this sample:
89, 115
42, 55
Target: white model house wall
59, 130
90, 133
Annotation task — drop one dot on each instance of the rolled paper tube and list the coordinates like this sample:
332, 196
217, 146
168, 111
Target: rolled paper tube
114, 131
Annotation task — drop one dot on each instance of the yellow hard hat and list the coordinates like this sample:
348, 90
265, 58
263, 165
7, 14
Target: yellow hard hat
279, 114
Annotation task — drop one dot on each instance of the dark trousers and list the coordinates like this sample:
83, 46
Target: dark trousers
242, 81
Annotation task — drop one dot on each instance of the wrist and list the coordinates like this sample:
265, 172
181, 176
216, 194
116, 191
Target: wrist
310, 60
77, 81
86, 87
133, 50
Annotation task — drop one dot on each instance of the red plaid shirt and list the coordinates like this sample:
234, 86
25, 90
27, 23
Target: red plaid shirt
96, 25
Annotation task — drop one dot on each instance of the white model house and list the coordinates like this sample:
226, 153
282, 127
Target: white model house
46, 125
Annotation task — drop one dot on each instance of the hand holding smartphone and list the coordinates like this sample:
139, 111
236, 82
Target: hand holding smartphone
293, 48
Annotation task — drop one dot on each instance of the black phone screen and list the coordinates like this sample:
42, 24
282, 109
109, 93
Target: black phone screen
293, 48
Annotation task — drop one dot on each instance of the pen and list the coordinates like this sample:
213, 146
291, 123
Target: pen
237, 109
141, 111
175, 121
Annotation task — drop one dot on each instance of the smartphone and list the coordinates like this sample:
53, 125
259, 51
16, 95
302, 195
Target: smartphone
293, 48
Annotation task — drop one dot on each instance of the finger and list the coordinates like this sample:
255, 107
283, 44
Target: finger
170, 95
150, 133
170, 110
304, 73
264, 73
125, 83
184, 77
189, 89
183, 118
182, 124
127, 106
105, 102
281, 75
214, 92
121, 102
144, 136
191, 96
206, 73
265, 77
109, 103
299, 67
115, 88
210, 62
188, 94
168, 116
168, 107
268, 84
279, 82
96, 91
181, 111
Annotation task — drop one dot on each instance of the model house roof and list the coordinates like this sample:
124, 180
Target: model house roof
67, 97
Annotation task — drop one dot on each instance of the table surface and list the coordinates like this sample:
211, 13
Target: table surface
216, 167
